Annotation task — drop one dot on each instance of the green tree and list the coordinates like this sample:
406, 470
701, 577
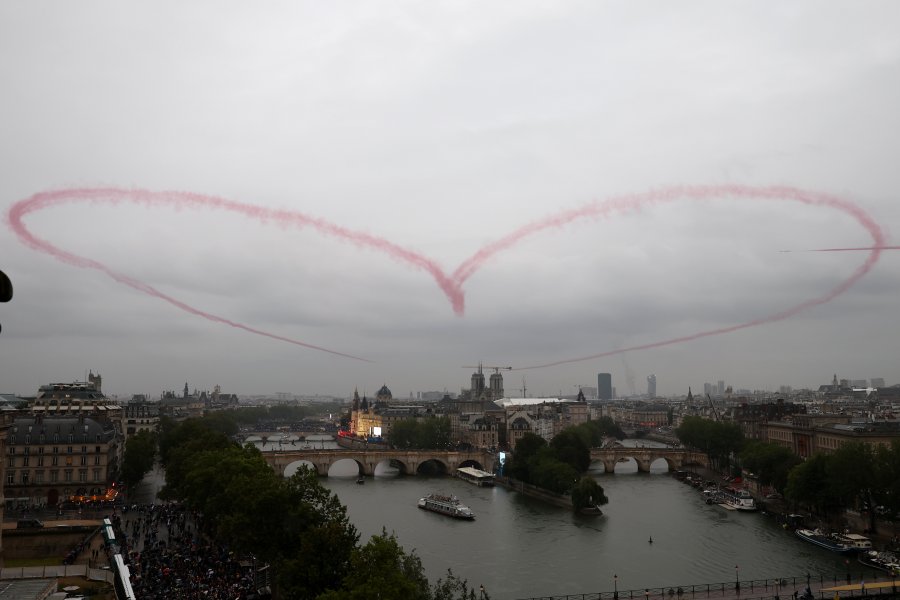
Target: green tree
140, 454
887, 476
527, 448
317, 541
404, 434
588, 493
454, 588
421, 434
382, 569
717, 440
809, 484
572, 446
550, 473
770, 462
852, 474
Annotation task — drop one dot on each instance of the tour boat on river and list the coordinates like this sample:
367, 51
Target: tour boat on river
829, 542
475, 476
446, 505
884, 561
736, 499
730, 498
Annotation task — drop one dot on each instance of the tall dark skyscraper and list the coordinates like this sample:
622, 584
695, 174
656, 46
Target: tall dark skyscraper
604, 386
651, 386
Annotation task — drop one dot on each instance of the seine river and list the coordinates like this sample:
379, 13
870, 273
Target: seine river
518, 547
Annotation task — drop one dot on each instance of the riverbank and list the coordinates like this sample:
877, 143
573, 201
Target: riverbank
533, 491
886, 536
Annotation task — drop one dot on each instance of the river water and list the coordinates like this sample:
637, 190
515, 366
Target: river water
519, 547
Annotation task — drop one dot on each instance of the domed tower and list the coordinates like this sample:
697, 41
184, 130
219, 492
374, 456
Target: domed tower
384, 396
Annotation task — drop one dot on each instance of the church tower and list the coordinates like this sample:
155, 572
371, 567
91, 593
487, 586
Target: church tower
477, 383
496, 385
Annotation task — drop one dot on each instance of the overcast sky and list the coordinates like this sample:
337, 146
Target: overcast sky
399, 139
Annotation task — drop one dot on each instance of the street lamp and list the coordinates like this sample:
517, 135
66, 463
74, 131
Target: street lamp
615, 587
737, 579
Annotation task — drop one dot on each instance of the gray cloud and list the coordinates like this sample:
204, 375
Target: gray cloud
442, 128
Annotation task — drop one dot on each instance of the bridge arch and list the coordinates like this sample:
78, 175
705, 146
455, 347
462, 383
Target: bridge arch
291, 469
407, 462
346, 467
645, 457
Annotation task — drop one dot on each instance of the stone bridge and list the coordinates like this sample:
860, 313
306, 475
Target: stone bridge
408, 461
675, 458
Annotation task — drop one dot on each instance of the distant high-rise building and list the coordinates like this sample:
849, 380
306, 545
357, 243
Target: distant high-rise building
721, 388
877, 382
651, 386
708, 389
604, 386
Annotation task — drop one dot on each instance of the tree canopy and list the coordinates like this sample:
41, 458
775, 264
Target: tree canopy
718, 440
296, 525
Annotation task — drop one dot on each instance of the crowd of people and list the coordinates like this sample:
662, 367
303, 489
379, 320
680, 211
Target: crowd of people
169, 558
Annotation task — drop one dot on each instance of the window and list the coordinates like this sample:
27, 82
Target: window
97, 449
41, 450
55, 450
54, 476
11, 450
82, 475
55, 461
84, 449
97, 460
96, 474
68, 449
68, 475
11, 477
27, 451
10, 462
40, 462
39, 477
55, 438
24, 477
84, 460
28, 439
25, 461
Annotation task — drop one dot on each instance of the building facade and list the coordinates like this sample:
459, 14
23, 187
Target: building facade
53, 459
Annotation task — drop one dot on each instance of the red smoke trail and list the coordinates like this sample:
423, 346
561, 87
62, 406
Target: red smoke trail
846, 249
450, 285
706, 193
46, 200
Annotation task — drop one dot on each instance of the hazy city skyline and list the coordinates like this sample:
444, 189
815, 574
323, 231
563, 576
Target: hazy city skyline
415, 188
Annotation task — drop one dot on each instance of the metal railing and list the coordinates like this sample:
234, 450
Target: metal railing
783, 588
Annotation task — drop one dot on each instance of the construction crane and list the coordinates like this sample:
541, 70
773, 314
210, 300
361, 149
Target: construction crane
713, 405
480, 367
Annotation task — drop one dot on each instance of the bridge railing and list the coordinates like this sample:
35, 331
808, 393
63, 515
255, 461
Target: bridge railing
783, 588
